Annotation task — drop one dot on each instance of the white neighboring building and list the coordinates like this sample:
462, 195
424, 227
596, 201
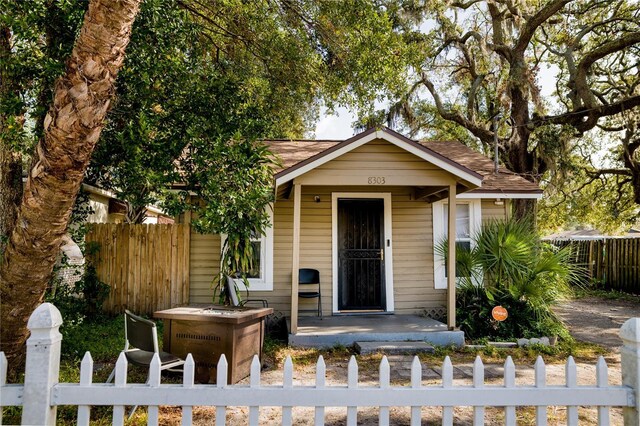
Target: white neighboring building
106, 208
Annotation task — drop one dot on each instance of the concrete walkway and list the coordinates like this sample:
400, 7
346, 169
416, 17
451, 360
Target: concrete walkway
597, 320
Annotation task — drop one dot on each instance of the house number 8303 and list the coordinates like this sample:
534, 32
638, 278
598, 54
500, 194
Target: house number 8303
376, 180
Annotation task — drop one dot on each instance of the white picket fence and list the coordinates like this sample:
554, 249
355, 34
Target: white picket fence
41, 394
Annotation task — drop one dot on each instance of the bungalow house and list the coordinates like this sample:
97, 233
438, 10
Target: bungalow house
366, 212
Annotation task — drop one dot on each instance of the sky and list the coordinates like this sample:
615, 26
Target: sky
335, 126
339, 124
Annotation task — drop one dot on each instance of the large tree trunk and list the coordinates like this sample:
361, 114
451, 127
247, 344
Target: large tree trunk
518, 157
11, 184
71, 129
525, 209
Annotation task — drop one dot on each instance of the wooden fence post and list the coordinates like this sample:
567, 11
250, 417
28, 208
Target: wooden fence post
630, 363
43, 365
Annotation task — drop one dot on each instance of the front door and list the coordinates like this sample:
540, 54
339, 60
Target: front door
361, 275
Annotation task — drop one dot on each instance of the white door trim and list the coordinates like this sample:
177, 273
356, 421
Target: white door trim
388, 249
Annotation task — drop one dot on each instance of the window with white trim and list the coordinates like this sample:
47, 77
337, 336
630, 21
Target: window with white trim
257, 263
463, 224
261, 274
468, 222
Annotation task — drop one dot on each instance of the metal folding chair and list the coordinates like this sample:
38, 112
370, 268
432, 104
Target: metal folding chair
141, 344
230, 290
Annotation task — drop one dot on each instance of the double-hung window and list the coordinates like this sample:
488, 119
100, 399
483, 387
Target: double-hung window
257, 265
463, 224
468, 221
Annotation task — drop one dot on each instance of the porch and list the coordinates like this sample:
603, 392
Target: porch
348, 329
342, 204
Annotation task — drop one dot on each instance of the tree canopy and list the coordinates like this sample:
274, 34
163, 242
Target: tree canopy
483, 59
202, 80
200, 72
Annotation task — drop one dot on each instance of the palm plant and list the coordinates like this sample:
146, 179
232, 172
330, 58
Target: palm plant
509, 264
512, 258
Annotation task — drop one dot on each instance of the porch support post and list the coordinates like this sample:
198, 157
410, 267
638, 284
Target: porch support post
295, 261
451, 255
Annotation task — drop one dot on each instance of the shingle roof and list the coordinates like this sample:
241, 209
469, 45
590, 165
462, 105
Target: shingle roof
294, 152
504, 181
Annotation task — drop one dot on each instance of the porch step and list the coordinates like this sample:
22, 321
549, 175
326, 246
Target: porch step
393, 348
345, 330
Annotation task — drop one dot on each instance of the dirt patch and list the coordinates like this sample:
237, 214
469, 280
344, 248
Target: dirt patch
337, 375
597, 320
590, 319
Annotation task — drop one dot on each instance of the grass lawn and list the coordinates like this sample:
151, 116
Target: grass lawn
580, 293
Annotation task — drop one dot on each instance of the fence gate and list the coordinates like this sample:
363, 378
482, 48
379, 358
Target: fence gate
146, 266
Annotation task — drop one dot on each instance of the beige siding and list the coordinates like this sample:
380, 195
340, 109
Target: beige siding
204, 264
378, 159
413, 254
100, 206
315, 248
412, 229
491, 211
412, 249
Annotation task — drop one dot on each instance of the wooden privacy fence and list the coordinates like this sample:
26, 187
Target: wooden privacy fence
613, 263
41, 393
146, 266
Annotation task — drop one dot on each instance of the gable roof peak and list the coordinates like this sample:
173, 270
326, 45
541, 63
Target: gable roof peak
339, 148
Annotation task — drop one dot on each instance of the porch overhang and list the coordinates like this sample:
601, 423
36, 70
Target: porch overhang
431, 194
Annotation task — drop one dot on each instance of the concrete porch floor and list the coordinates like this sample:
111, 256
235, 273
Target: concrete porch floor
348, 329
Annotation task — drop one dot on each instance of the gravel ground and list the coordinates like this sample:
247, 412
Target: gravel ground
597, 320
591, 319
337, 372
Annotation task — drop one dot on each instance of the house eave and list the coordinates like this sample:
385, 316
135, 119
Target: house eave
500, 194
111, 195
472, 178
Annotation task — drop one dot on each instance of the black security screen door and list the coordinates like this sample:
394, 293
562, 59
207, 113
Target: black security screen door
361, 254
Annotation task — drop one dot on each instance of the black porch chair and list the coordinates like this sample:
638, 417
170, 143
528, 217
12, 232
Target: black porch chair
310, 277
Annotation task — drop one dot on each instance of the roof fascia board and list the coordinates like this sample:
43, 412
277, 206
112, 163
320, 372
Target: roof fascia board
322, 159
359, 140
98, 191
502, 195
432, 157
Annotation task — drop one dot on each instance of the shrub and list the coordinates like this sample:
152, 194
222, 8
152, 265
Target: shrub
84, 321
473, 313
84, 298
509, 265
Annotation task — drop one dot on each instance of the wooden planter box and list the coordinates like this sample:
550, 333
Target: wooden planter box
207, 331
